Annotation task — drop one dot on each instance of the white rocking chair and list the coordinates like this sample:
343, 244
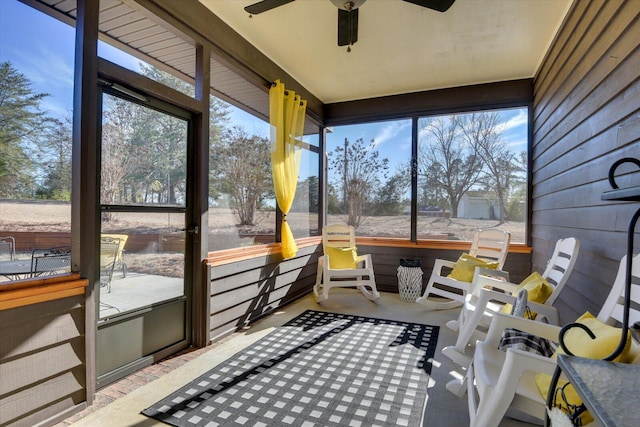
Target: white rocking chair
489, 245
498, 381
342, 237
482, 303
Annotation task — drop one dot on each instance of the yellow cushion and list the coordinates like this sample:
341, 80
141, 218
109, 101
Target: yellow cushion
580, 344
466, 265
607, 340
342, 258
568, 397
538, 290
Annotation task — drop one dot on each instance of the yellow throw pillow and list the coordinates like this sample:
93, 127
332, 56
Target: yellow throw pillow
538, 290
607, 340
342, 258
466, 265
580, 344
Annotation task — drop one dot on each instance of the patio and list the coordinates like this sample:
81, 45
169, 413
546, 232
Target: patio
121, 403
137, 290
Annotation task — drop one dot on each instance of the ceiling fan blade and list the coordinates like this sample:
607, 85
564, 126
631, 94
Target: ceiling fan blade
265, 5
347, 27
439, 5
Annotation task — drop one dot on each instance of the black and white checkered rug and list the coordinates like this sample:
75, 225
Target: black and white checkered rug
319, 369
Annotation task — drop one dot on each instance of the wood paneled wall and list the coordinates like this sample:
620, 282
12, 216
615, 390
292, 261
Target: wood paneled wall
586, 116
245, 290
42, 361
387, 259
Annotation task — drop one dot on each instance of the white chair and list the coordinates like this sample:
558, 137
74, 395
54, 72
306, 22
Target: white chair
498, 381
489, 245
482, 303
342, 237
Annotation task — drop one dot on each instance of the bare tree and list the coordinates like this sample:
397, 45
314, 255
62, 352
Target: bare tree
484, 131
359, 172
447, 162
118, 159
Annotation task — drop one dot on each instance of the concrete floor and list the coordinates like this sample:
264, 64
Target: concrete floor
137, 290
443, 408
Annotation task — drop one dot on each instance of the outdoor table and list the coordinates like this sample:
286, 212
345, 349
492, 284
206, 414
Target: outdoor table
14, 269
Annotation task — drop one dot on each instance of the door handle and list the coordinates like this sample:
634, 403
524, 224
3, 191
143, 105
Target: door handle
193, 230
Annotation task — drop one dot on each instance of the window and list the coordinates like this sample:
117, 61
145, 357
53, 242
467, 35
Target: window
369, 178
472, 174
303, 216
35, 135
242, 206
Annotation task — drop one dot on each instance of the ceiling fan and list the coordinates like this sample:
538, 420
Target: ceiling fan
347, 14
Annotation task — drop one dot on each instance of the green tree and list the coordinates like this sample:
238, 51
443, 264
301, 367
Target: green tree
21, 123
390, 197
242, 167
307, 197
219, 114
358, 172
333, 200
165, 140
54, 155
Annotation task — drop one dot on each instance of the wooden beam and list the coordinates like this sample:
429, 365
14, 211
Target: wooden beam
85, 193
515, 93
28, 292
200, 216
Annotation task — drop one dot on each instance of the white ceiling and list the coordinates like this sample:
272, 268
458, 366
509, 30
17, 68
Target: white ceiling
401, 47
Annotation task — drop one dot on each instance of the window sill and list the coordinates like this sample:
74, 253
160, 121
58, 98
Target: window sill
227, 256
32, 291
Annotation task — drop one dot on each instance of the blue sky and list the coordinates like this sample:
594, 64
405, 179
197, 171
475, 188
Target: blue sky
393, 138
43, 51
47, 41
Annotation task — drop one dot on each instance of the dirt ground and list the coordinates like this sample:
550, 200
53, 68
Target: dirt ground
39, 216
223, 230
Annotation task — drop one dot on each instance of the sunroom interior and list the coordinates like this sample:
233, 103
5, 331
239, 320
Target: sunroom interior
577, 88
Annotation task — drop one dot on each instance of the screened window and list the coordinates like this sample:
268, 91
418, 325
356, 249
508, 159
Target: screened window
35, 130
472, 174
369, 178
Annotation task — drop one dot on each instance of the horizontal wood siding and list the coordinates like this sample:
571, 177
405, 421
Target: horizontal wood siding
386, 261
586, 116
41, 361
243, 291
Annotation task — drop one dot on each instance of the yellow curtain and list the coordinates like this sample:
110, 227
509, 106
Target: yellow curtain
286, 115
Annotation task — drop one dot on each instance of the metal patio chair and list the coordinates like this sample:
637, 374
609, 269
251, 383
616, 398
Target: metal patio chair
50, 261
109, 250
7, 248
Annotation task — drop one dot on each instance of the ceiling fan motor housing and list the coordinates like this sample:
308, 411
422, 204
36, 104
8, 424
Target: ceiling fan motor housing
348, 5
